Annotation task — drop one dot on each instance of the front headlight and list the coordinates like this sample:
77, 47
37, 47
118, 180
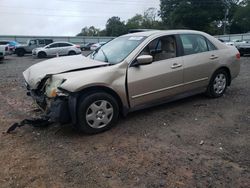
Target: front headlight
52, 90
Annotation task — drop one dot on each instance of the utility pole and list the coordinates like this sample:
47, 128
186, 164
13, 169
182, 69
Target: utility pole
225, 21
227, 5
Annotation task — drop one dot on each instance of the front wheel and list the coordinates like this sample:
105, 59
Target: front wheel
41, 55
97, 112
218, 84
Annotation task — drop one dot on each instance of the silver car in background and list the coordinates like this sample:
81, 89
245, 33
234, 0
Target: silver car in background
56, 49
131, 72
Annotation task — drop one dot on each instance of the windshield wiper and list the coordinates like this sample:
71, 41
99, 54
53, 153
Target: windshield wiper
106, 58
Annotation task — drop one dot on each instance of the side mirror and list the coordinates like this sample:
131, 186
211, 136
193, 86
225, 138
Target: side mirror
144, 59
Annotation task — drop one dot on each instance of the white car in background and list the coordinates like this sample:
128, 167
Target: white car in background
236, 42
97, 45
2, 51
57, 49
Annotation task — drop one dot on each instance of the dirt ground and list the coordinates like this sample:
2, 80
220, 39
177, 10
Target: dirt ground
194, 142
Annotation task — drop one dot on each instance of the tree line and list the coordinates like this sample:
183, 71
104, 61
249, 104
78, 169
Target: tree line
211, 16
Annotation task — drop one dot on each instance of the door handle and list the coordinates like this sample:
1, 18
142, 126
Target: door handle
213, 57
176, 65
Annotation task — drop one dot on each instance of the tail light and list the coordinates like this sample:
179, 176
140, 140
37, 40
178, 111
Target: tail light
77, 46
238, 56
6, 48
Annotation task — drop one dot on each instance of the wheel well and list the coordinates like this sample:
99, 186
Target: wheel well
228, 73
42, 52
105, 89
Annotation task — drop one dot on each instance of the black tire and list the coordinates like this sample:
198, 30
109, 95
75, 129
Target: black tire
41, 55
217, 86
72, 53
85, 107
20, 52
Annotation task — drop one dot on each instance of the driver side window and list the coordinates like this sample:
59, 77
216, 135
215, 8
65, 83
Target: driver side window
161, 48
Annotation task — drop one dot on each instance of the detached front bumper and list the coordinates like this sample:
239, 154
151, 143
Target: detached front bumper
58, 109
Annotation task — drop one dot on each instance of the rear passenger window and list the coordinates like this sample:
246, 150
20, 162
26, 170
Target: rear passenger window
211, 47
64, 44
161, 48
193, 44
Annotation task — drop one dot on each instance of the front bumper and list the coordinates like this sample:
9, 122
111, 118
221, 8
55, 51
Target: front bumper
57, 109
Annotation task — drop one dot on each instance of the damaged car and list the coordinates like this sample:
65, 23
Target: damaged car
131, 72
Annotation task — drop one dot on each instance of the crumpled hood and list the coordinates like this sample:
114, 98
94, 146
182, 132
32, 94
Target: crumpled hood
34, 74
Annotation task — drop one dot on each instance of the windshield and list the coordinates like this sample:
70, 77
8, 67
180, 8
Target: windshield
117, 50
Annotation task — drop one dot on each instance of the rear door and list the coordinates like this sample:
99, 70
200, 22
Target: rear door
160, 79
200, 58
64, 48
52, 50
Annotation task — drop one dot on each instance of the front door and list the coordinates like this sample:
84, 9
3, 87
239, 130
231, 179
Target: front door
160, 79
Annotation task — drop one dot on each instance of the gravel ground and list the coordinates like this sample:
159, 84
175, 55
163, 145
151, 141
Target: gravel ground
194, 142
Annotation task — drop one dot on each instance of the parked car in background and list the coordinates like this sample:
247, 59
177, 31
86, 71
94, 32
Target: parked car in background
57, 49
131, 72
11, 45
244, 49
2, 51
97, 45
86, 46
31, 44
235, 42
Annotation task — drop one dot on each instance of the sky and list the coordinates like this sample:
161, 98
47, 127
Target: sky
64, 17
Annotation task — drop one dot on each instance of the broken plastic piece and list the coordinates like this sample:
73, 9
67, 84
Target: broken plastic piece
38, 122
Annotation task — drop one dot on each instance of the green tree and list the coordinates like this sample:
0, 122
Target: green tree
115, 27
89, 31
146, 21
135, 22
193, 14
241, 18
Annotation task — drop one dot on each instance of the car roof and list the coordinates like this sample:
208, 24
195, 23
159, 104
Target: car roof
60, 42
167, 32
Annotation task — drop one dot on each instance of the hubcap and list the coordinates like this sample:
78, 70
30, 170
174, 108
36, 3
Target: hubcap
220, 82
99, 114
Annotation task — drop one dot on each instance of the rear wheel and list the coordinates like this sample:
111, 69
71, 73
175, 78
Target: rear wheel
97, 112
72, 53
41, 55
218, 84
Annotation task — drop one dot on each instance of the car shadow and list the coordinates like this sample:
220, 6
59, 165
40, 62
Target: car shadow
196, 100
